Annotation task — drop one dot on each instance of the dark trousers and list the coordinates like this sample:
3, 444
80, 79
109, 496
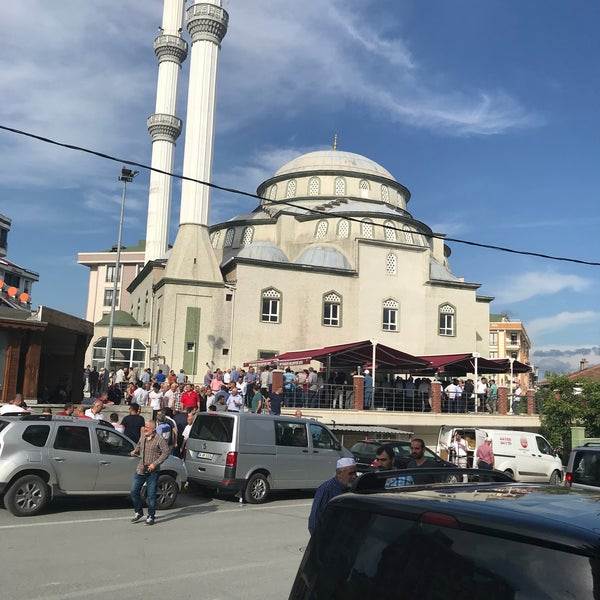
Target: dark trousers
151, 481
483, 465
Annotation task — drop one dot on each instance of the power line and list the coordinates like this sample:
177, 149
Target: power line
286, 202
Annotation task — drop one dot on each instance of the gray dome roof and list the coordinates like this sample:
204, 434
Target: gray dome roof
323, 256
263, 251
335, 161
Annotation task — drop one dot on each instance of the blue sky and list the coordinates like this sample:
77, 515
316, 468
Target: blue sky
487, 111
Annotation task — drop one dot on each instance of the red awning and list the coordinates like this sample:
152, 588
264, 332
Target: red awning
352, 355
461, 364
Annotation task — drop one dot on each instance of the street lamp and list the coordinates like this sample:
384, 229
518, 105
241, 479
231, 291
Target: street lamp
126, 177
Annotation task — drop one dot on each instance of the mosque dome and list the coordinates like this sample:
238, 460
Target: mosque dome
335, 161
263, 251
323, 256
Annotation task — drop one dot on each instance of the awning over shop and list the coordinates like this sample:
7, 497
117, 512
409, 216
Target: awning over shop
461, 364
351, 355
518, 367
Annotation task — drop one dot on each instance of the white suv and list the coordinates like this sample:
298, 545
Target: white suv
42, 456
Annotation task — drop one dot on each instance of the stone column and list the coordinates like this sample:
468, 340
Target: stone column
277, 379
502, 400
164, 127
32, 367
358, 382
436, 397
11, 365
531, 402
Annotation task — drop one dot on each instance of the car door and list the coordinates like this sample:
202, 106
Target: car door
293, 460
547, 462
116, 466
324, 453
72, 458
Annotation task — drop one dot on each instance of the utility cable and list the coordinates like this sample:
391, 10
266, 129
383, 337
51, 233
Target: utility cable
286, 202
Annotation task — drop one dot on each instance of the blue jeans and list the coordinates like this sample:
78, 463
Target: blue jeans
368, 397
151, 481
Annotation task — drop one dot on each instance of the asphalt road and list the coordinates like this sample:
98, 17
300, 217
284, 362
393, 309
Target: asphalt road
209, 549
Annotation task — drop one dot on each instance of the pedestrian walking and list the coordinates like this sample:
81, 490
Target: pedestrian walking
485, 455
153, 450
459, 450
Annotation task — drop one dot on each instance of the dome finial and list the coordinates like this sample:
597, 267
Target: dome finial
335, 141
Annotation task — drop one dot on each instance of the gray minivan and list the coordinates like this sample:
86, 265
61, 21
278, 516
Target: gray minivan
253, 454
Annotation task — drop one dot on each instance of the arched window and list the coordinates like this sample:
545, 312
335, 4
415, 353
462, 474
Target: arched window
447, 320
321, 229
408, 237
390, 315
343, 230
229, 237
273, 192
314, 186
340, 186
390, 231
332, 309
247, 236
366, 229
365, 188
291, 188
214, 238
270, 311
385, 193
391, 264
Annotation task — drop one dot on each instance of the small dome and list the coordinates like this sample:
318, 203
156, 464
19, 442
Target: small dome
323, 256
334, 161
263, 251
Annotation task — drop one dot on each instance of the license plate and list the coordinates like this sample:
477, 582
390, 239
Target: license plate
206, 455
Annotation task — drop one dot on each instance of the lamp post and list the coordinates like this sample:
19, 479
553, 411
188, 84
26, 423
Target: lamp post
126, 177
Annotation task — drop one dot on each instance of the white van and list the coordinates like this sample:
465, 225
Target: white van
524, 455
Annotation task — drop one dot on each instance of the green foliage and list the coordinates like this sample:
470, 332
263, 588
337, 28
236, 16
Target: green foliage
565, 403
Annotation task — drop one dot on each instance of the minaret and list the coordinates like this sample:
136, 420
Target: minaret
192, 256
164, 127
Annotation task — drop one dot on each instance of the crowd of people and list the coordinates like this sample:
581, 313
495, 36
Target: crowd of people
464, 395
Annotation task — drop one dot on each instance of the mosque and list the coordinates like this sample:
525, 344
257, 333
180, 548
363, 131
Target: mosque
331, 254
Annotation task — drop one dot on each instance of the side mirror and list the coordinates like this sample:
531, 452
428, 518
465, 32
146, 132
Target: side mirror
338, 446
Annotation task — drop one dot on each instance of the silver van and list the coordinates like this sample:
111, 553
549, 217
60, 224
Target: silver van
254, 454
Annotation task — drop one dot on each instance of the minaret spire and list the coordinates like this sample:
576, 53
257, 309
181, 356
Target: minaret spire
335, 141
164, 127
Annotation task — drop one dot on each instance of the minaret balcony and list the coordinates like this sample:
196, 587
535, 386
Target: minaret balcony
164, 127
207, 22
171, 48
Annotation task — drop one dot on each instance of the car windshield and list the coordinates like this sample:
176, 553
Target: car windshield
212, 428
359, 554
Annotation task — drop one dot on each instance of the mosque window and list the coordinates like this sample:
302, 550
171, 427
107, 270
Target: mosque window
447, 320
214, 238
291, 189
314, 186
229, 237
385, 193
364, 185
390, 315
408, 237
273, 192
391, 264
340, 186
270, 306
247, 236
332, 309
321, 230
343, 231
390, 231
366, 229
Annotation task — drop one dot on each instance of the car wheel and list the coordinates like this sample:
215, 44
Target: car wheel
27, 496
555, 478
167, 491
257, 489
509, 473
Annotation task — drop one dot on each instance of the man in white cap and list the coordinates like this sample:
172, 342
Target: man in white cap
345, 474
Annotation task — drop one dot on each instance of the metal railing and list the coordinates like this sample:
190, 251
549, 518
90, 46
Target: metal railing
395, 399
328, 396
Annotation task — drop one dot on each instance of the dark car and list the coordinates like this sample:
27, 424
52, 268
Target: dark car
364, 454
492, 540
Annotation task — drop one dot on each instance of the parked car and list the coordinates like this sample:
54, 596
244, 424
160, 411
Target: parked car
524, 455
493, 539
254, 454
583, 468
364, 454
43, 456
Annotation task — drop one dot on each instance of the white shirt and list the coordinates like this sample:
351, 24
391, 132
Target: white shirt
460, 448
155, 399
226, 377
186, 432
518, 391
481, 387
120, 376
210, 400
119, 427
234, 402
453, 391
171, 397
264, 379
97, 417
12, 408
141, 396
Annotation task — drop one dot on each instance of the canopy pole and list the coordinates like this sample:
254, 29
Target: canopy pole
476, 357
328, 374
374, 343
512, 374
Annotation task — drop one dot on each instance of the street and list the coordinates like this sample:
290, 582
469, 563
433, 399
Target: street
206, 548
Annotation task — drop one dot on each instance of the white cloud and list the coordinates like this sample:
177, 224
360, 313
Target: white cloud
537, 283
561, 321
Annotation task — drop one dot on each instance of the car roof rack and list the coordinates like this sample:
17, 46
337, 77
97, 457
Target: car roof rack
30, 417
588, 444
378, 481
